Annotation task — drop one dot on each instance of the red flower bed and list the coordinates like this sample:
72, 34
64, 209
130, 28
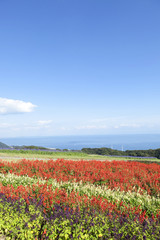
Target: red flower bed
116, 174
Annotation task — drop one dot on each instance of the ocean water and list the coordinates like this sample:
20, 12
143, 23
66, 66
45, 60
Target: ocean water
119, 142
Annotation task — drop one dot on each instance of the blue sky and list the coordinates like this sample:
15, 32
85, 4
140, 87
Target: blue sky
79, 67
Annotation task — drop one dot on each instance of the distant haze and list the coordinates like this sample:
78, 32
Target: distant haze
119, 142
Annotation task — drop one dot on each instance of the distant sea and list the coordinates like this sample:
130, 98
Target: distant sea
119, 142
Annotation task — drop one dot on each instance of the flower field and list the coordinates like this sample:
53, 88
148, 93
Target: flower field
67, 199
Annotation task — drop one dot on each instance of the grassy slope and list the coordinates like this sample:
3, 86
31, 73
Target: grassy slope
13, 155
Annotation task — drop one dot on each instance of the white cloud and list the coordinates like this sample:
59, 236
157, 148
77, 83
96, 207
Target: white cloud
11, 106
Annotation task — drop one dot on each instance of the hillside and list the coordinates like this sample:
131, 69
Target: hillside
3, 146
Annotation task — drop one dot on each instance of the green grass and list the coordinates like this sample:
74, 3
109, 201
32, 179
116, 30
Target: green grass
31, 154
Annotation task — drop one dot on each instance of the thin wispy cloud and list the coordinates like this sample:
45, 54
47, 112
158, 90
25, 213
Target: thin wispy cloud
11, 106
128, 122
22, 128
44, 122
127, 125
40, 124
4, 125
91, 127
98, 120
109, 119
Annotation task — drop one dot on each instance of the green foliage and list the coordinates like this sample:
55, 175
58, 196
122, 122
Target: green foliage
31, 147
39, 154
20, 220
44, 153
157, 153
31, 225
111, 152
19, 223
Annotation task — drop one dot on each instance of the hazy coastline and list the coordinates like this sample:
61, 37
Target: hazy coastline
119, 142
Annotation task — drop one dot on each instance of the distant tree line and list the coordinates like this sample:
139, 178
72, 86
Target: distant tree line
99, 151
31, 147
111, 152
